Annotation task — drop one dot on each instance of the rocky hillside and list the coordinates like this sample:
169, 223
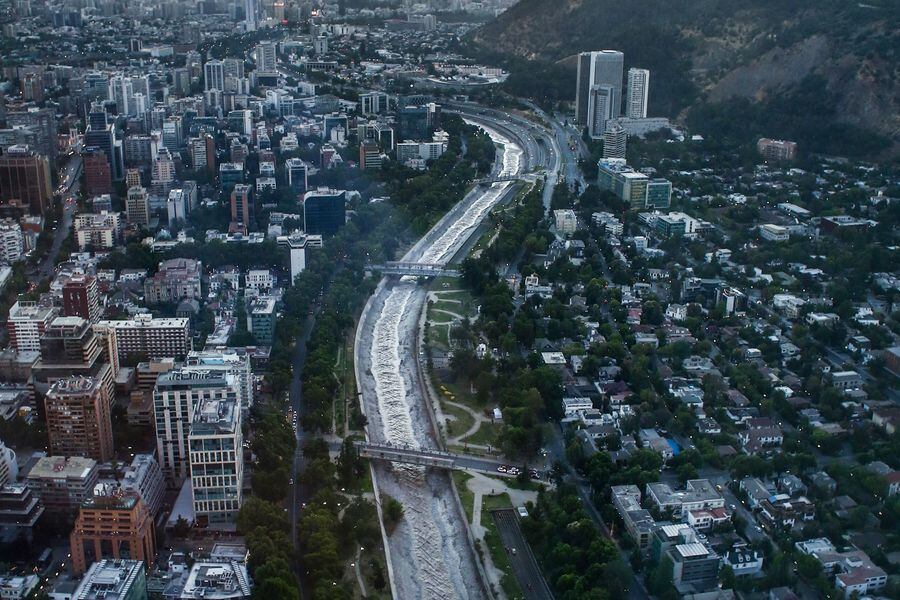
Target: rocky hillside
712, 57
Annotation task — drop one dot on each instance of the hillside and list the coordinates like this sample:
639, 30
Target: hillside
721, 60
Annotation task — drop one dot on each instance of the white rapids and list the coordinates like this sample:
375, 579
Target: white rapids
431, 559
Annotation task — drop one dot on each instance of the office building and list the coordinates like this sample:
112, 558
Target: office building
113, 580
230, 174
324, 211
97, 230
176, 397
266, 57
217, 460
137, 207
659, 194
636, 189
638, 93
214, 75
25, 180
62, 484
43, 123
177, 279
614, 140
373, 103
78, 418
162, 172
220, 580
97, 173
370, 156
20, 510
261, 319
12, 242
100, 134
145, 478
234, 363
697, 494
81, 298
242, 206
26, 324
599, 80
146, 337
296, 174
18, 587
112, 524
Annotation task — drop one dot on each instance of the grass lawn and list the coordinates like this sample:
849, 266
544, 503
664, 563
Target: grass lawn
486, 435
466, 497
460, 424
439, 317
439, 335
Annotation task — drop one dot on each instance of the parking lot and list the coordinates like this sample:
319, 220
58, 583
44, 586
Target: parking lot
524, 565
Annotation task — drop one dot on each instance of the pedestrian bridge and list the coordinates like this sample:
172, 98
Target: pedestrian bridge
415, 269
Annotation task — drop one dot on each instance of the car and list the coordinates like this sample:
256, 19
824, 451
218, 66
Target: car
513, 551
502, 468
523, 512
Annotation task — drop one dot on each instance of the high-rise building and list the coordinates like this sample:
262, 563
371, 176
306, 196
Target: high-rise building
234, 363
162, 178
176, 398
614, 140
251, 13
113, 580
98, 230
62, 483
296, 174
137, 206
324, 211
12, 242
97, 173
261, 320
81, 298
100, 134
25, 179
600, 110
145, 478
214, 75
132, 178
638, 93
203, 153
230, 174
43, 120
369, 155
70, 347
78, 418
373, 103
146, 337
26, 323
9, 469
296, 243
604, 69
217, 459
112, 524
266, 57
241, 206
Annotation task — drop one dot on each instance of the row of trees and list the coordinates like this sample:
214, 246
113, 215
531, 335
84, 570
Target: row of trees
578, 561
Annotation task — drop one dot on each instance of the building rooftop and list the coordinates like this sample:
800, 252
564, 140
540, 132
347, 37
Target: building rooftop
55, 467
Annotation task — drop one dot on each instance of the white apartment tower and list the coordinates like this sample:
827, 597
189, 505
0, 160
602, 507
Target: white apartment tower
638, 93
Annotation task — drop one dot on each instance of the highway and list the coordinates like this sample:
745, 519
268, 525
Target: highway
68, 189
524, 565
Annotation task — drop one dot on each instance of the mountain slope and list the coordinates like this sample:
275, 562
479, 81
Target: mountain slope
714, 54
